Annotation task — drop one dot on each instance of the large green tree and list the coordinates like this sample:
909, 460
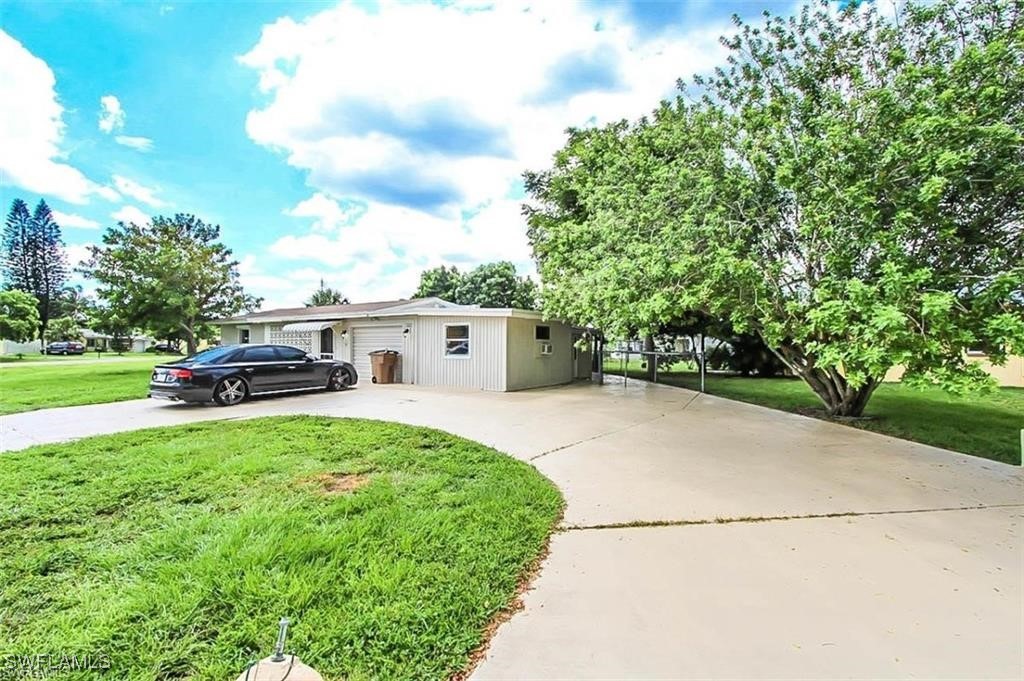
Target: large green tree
65, 329
493, 284
19, 316
496, 284
171, 274
33, 257
847, 186
440, 282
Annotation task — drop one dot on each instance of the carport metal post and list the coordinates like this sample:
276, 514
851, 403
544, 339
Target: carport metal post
625, 365
702, 363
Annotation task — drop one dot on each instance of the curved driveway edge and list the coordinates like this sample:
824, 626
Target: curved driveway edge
710, 538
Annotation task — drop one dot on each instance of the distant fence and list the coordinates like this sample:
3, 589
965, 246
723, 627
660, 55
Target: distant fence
8, 347
622, 357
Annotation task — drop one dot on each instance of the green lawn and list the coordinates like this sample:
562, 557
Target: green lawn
983, 425
35, 357
42, 385
174, 551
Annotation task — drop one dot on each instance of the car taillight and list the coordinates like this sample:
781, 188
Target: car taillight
181, 373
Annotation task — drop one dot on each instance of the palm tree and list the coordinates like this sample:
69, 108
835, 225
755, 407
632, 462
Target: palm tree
326, 295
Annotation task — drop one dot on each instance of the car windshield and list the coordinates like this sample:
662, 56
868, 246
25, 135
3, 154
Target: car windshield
209, 355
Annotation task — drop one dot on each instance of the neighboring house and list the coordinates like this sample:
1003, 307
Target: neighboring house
440, 343
101, 342
94, 342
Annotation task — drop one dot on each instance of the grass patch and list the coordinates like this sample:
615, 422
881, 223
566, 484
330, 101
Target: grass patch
174, 551
983, 425
35, 357
41, 385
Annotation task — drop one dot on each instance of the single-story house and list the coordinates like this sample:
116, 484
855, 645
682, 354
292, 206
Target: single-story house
439, 343
103, 342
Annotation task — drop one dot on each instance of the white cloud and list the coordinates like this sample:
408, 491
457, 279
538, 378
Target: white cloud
137, 143
76, 253
128, 214
422, 141
73, 220
327, 214
112, 115
31, 133
137, 191
381, 254
477, 76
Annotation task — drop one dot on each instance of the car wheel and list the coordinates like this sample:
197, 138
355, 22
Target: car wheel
230, 391
65, 352
340, 379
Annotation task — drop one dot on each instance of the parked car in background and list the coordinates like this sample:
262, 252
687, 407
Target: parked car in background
164, 348
228, 374
65, 348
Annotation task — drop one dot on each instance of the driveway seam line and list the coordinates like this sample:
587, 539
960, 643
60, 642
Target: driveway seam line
766, 519
614, 432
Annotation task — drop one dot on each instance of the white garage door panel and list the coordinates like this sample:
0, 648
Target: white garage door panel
370, 338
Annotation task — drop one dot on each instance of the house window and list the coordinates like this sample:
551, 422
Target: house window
243, 336
542, 332
456, 340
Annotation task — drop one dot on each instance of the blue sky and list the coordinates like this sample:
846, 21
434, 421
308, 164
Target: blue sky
354, 142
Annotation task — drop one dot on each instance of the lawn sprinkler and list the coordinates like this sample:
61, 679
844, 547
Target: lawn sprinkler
280, 666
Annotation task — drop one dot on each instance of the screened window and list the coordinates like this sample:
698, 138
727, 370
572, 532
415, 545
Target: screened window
542, 332
262, 353
243, 336
456, 340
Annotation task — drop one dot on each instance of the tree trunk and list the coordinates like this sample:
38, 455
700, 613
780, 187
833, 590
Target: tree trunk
190, 338
651, 359
839, 397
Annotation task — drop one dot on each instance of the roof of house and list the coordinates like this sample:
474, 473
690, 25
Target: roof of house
319, 310
386, 308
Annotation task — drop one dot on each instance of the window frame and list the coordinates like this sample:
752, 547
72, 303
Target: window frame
258, 348
468, 340
248, 336
282, 349
538, 327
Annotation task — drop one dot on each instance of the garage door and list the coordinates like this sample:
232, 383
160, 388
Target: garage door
370, 338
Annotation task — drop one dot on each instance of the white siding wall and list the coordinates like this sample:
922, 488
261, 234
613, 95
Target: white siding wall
484, 369
526, 367
228, 334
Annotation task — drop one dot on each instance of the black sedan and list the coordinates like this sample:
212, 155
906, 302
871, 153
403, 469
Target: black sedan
229, 373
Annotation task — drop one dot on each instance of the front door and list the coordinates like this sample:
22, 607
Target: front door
327, 343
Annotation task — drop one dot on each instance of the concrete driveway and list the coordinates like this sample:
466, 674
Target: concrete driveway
706, 538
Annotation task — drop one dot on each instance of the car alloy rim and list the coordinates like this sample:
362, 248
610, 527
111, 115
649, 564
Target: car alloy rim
232, 391
340, 378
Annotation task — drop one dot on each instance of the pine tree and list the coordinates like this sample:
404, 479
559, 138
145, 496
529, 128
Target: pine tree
51, 262
16, 259
33, 257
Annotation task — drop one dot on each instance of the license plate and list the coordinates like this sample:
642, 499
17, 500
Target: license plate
164, 378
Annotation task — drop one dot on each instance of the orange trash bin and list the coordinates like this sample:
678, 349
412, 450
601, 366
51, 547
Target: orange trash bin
383, 362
